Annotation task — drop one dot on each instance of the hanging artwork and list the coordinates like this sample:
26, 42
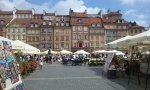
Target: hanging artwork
2, 54
14, 79
16, 67
3, 83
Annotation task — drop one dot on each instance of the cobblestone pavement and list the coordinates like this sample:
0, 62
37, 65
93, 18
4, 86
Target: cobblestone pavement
59, 77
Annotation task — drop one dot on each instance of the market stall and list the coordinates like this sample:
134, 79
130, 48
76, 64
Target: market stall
10, 78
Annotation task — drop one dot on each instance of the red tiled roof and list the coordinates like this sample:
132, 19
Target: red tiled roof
116, 13
84, 21
6, 20
78, 14
107, 19
24, 12
137, 26
6, 12
25, 22
38, 14
38, 21
95, 20
62, 15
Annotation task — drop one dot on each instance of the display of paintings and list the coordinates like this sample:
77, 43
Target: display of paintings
16, 67
2, 54
14, 79
19, 87
3, 83
11, 66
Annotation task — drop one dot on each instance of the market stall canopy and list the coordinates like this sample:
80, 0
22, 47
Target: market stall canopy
14, 44
81, 52
114, 43
46, 52
120, 53
114, 51
100, 51
65, 52
28, 49
17, 45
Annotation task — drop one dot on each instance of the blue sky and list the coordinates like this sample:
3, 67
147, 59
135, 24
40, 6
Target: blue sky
132, 10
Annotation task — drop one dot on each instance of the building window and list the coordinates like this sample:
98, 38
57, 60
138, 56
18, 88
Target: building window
74, 28
62, 38
67, 24
97, 44
98, 24
85, 29
102, 37
102, 31
57, 45
8, 30
124, 27
42, 37
79, 28
37, 32
62, 31
43, 46
32, 25
62, 24
93, 25
135, 31
85, 44
44, 23
33, 31
91, 37
36, 25
50, 23
24, 36
48, 38
1, 22
67, 38
92, 44
57, 31
131, 31
67, 31
67, 45
74, 37
57, 38
29, 31
97, 37
74, 44
57, 24
13, 30
50, 30
85, 37
8, 36
97, 31
119, 27
80, 37
24, 30
79, 20
62, 45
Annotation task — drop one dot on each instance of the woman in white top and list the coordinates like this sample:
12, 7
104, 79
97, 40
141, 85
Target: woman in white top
41, 62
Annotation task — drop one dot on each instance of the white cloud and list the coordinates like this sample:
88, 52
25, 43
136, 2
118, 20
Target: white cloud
142, 23
140, 16
131, 11
128, 1
131, 2
61, 7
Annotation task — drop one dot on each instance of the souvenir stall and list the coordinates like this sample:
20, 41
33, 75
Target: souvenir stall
10, 78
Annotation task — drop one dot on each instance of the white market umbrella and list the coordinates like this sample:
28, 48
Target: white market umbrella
101, 51
120, 53
65, 52
114, 51
28, 49
4, 39
46, 52
114, 43
81, 52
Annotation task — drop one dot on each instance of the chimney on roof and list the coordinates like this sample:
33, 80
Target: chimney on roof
33, 11
70, 11
14, 11
119, 11
100, 13
108, 11
85, 11
44, 12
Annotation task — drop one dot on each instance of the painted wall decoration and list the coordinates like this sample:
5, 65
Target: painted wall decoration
2, 54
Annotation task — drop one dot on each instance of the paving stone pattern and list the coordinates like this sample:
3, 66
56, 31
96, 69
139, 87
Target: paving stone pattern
59, 77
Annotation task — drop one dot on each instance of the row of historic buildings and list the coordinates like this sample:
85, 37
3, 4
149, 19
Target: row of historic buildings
78, 30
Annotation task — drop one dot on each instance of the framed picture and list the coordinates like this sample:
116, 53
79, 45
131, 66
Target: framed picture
2, 54
3, 83
16, 67
14, 79
12, 68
